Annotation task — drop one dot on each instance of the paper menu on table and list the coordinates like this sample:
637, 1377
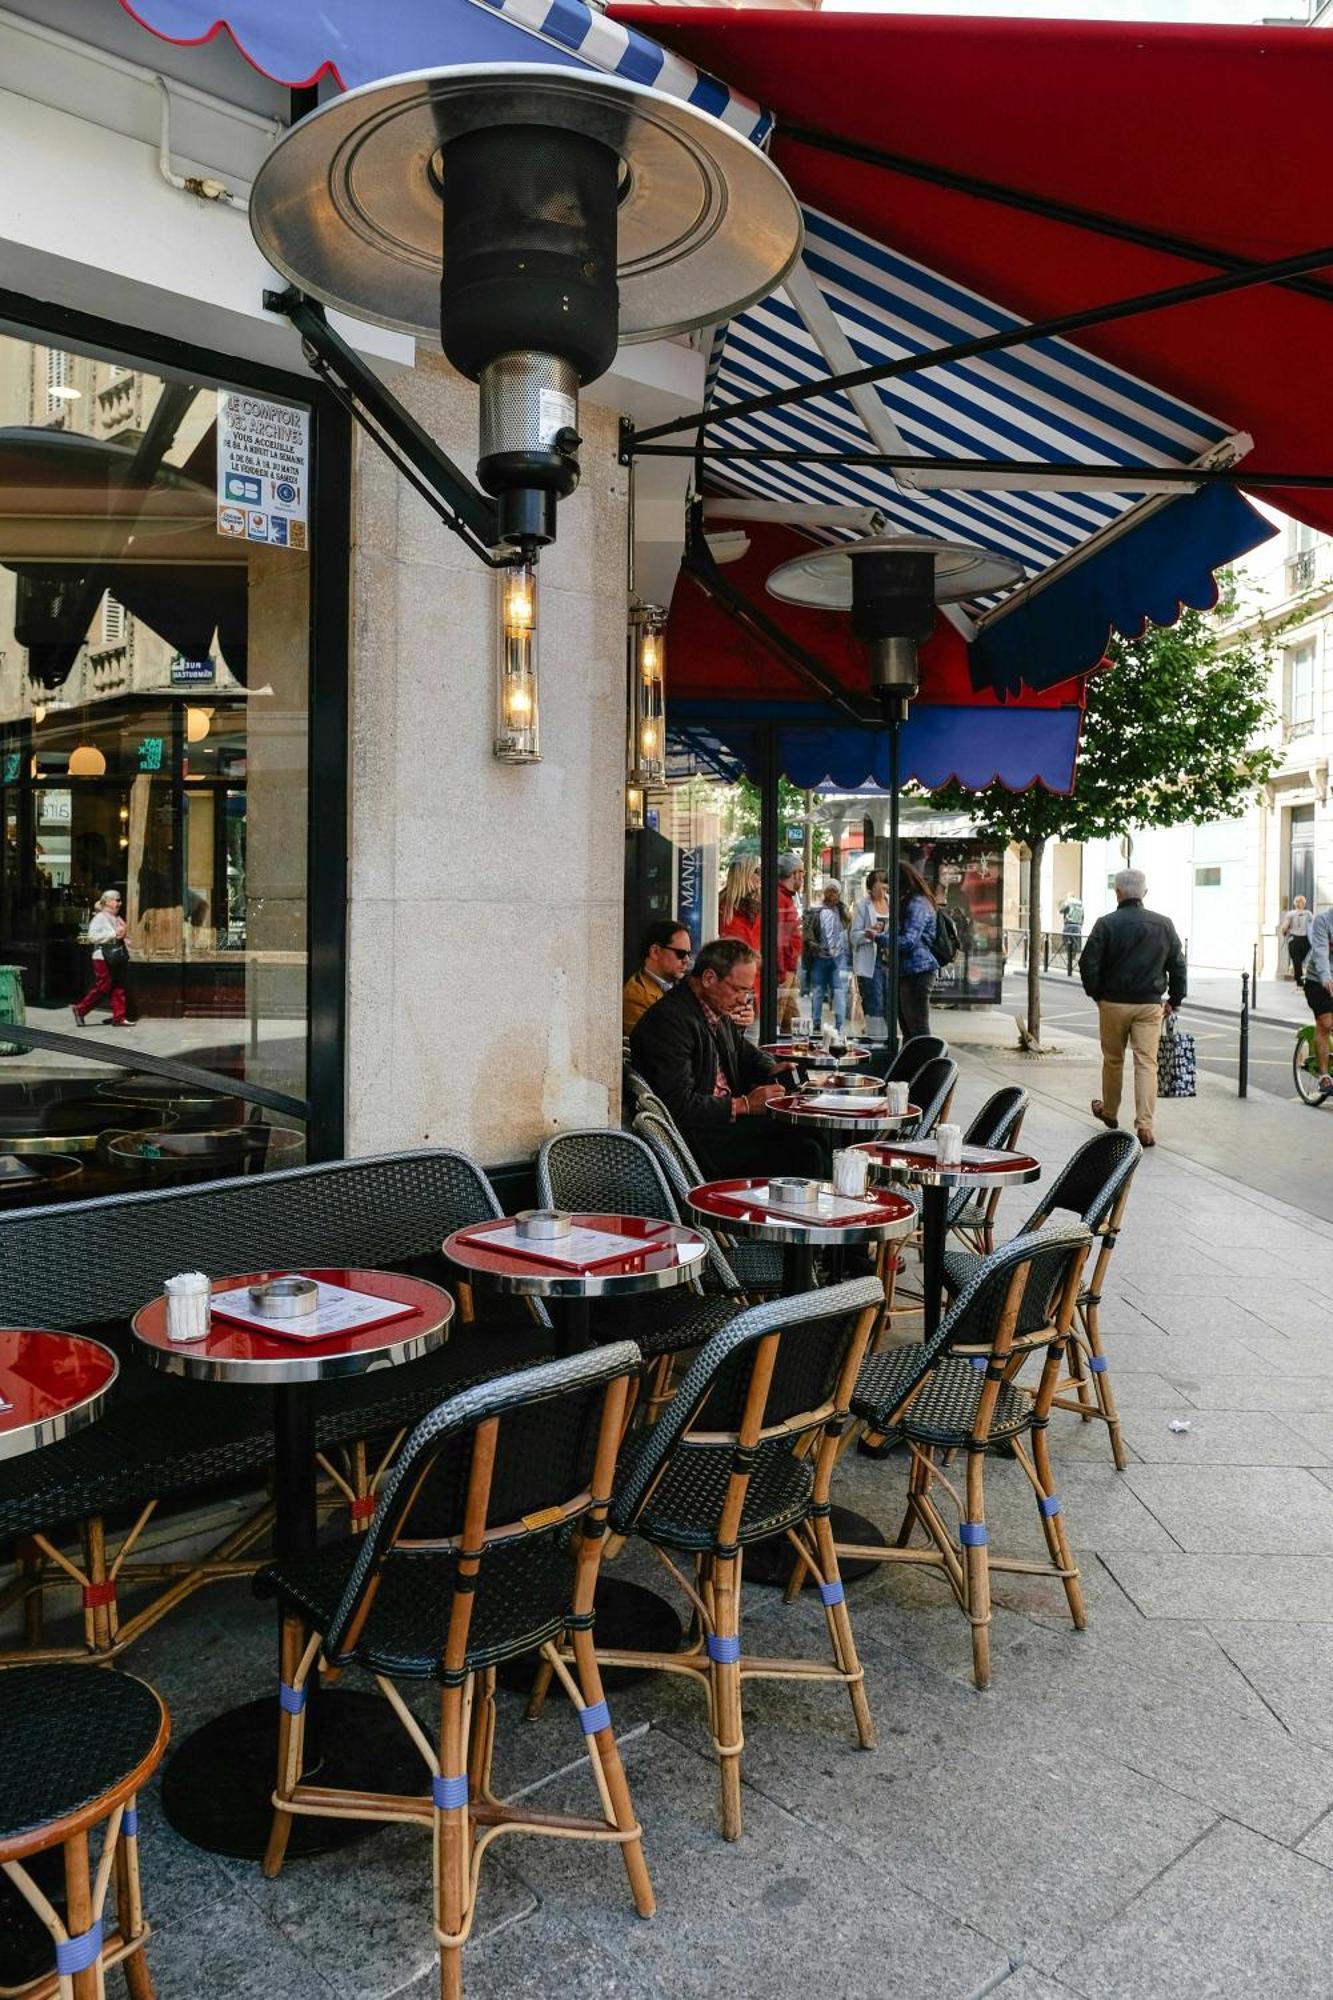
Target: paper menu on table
4, 1405
338, 1311
831, 1208
846, 1100
581, 1249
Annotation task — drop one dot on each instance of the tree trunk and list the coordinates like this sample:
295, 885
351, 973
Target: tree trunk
1036, 849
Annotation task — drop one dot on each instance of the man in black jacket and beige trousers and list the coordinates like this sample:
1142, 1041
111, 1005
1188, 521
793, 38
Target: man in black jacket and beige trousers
1131, 958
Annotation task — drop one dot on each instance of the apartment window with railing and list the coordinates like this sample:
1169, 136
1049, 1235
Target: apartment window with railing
60, 389
1301, 558
1298, 706
113, 622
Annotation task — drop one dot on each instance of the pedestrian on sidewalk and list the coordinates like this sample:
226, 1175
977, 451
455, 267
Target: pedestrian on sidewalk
1295, 928
111, 956
826, 928
1318, 983
1130, 957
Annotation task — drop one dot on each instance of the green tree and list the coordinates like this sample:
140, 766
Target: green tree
1169, 738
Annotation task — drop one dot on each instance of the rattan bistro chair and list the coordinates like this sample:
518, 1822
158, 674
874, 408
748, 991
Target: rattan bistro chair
931, 1090
609, 1172
75, 1747
961, 1394
998, 1123
913, 1056
486, 1543
745, 1451
755, 1267
1094, 1186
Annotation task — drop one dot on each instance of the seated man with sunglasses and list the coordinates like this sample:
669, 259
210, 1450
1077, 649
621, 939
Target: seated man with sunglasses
717, 1085
663, 956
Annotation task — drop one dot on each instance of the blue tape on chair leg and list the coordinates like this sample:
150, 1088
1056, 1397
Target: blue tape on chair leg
1049, 1504
831, 1593
1097, 1363
596, 1716
76, 1954
972, 1534
724, 1652
129, 1822
449, 1793
291, 1699
978, 1361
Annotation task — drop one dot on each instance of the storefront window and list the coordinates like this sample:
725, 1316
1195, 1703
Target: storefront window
153, 727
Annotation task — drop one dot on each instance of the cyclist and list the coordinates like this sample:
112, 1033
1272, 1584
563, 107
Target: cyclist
1319, 992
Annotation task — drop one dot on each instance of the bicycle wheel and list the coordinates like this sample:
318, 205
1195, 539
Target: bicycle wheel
1304, 1068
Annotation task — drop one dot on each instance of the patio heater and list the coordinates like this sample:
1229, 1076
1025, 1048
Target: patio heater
526, 218
893, 585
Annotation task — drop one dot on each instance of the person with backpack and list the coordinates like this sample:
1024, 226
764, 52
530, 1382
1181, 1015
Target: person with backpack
919, 949
825, 935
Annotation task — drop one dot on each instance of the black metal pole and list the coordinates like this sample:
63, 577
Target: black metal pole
1243, 1069
768, 888
895, 885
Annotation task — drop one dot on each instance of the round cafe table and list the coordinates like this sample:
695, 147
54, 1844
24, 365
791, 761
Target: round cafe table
742, 1207
813, 1111
217, 1787
916, 1161
51, 1385
629, 1618
813, 1054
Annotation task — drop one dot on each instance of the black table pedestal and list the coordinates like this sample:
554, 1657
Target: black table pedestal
934, 1209
770, 1561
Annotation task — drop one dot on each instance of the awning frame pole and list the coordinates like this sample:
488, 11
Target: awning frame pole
1121, 478
768, 886
895, 883
1058, 327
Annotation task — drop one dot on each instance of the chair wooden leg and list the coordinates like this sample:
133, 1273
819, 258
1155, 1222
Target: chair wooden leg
724, 1673
918, 1482
129, 1911
976, 1567
1078, 1375
1053, 1527
453, 1845
603, 1747
291, 1740
1101, 1375
31, 1564
88, 1984
541, 1687
840, 1631
99, 1593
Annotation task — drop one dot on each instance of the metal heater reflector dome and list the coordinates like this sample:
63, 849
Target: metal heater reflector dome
825, 577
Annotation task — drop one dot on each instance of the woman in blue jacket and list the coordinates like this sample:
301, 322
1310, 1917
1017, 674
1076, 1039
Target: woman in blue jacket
917, 963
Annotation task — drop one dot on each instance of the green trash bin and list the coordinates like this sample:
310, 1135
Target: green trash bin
11, 1006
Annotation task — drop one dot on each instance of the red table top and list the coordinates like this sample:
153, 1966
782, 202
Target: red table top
813, 1052
874, 1113
45, 1376
246, 1348
979, 1163
667, 1249
730, 1203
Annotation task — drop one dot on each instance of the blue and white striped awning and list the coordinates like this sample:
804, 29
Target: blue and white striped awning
1047, 400
356, 41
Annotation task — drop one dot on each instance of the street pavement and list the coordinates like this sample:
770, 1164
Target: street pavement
1144, 1808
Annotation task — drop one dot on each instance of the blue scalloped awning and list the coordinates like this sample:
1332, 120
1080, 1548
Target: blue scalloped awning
1015, 747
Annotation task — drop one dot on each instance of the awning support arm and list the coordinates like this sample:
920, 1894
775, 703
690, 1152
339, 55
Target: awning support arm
1241, 279
698, 562
1120, 478
464, 509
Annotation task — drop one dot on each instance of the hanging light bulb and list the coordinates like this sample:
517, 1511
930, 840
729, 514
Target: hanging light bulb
86, 761
633, 807
517, 717
646, 735
198, 722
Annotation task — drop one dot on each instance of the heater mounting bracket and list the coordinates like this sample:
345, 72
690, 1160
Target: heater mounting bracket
464, 509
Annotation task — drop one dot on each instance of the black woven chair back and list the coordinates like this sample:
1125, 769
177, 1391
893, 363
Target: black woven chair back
797, 1347
673, 1155
998, 1121
913, 1056
1091, 1179
88, 1262
604, 1172
930, 1091
517, 1458
1054, 1257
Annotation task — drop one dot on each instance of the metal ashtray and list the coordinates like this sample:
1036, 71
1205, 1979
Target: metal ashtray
795, 1193
285, 1298
843, 1081
542, 1224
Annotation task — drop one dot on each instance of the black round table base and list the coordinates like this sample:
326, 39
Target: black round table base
771, 1561
629, 1618
218, 1786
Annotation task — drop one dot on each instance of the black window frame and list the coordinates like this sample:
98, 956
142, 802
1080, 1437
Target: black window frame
43, 321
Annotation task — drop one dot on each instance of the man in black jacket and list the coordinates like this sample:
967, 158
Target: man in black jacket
716, 1085
1131, 958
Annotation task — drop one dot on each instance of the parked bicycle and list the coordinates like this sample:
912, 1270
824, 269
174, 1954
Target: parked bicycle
1305, 1068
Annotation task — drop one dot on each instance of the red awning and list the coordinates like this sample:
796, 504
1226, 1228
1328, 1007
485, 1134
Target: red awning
1214, 138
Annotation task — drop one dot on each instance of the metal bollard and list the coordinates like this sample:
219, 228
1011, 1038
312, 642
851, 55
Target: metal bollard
1243, 1067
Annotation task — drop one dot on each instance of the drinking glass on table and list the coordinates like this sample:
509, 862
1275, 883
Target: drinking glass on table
802, 1027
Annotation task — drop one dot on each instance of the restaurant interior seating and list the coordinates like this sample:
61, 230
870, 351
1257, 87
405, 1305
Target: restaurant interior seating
485, 1545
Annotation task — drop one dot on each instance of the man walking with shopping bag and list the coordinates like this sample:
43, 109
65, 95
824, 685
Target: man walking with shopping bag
1131, 958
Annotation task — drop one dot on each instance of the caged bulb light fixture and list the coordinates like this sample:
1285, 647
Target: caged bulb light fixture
646, 733
517, 718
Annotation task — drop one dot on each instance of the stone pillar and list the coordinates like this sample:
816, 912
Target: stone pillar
485, 912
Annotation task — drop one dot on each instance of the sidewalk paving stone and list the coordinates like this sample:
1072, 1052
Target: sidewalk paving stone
1288, 1589
1242, 1510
